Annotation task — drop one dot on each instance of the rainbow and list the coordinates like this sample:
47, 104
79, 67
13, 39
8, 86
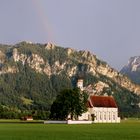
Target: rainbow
44, 20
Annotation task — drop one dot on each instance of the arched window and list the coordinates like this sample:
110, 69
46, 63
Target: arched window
109, 115
104, 115
114, 115
100, 115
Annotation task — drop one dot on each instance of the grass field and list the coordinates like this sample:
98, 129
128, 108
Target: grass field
128, 130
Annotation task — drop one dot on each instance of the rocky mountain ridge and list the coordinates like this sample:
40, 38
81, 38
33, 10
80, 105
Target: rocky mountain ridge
37, 72
90, 62
132, 69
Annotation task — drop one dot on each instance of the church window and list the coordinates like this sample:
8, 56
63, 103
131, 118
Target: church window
104, 115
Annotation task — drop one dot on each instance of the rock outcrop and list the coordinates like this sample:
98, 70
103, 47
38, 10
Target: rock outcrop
132, 69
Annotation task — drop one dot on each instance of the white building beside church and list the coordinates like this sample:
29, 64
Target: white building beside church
101, 109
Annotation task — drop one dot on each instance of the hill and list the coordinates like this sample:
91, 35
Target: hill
31, 75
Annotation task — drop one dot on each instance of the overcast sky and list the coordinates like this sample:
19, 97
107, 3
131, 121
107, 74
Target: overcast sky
108, 28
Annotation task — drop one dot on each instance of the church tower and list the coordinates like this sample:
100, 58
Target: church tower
80, 84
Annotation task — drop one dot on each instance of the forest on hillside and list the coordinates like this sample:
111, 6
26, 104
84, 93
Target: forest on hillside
28, 92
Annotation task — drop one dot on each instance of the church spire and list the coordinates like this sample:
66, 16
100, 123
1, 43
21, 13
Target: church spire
80, 84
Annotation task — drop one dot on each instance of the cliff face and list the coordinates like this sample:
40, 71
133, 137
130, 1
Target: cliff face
55, 60
132, 69
60, 66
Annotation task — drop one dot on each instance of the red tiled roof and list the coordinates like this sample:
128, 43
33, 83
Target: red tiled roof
102, 101
88, 104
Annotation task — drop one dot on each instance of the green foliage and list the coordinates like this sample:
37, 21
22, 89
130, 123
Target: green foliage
28, 90
69, 102
40, 115
9, 113
26, 101
14, 113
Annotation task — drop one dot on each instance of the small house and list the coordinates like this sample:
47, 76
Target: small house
28, 118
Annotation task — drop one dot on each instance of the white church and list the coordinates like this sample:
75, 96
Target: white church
101, 109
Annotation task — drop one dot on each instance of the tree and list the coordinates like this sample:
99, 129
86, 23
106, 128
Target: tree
69, 102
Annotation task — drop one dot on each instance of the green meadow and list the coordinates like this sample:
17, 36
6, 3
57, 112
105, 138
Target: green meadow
128, 130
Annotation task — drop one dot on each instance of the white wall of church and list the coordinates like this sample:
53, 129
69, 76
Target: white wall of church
104, 115
85, 116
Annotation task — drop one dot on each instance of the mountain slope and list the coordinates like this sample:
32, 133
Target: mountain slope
132, 69
33, 74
